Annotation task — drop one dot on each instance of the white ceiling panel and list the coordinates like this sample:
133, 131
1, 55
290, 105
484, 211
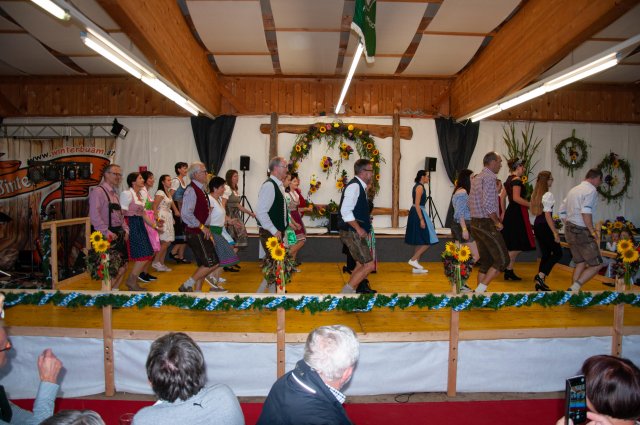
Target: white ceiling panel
396, 24
127, 44
6, 25
311, 14
6, 69
471, 16
383, 66
313, 53
97, 65
583, 52
229, 26
625, 27
618, 74
442, 54
242, 65
38, 62
93, 11
62, 36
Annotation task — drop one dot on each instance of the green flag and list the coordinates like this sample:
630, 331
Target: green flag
364, 23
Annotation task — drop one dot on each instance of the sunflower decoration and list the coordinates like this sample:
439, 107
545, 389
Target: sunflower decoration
326, 163
572, 153
102, 261
627, 261
314, 185
278, 265
630, 256
458, 264
342, 180
617, 177
624, 245
337, 135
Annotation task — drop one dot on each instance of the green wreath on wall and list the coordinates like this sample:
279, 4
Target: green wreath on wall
616, 177
572, 153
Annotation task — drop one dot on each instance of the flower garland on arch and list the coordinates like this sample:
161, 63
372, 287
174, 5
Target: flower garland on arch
338, 134
575, 149
616, 173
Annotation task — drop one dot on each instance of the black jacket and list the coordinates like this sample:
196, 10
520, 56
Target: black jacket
300, 397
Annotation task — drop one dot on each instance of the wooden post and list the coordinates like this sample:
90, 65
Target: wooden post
107, 338
395, 170
273, 136
280, 336
454, 331
618, 323
54, 256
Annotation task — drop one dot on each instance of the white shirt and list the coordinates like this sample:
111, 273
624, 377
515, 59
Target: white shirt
351, 194
217, 213
129, 196
547, 202
228, 192
266, 196
175, 183
580, 200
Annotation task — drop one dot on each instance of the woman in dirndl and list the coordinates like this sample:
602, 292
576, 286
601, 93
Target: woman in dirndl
232, 202
138, 245
178, 186
420, 231
217, 218
165, 209
292, 197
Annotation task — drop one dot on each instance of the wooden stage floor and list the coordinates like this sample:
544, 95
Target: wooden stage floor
325, 278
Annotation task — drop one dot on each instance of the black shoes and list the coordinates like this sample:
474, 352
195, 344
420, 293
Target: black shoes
510, 275
540, 284
345, 270
232, 269
146, 277
178, 260
364, 288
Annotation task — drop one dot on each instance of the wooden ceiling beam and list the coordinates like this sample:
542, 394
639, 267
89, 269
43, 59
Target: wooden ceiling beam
540, 34
159, 30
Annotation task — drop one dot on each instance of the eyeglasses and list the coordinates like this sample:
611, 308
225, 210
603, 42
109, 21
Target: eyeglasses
6, 347
115, 174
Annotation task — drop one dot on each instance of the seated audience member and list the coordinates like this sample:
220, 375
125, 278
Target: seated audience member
74, 417
310, 393
613, 391
177, 373
48, 368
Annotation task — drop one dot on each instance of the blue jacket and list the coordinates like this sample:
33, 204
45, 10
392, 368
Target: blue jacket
300, 397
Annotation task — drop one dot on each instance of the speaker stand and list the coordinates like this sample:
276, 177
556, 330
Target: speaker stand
244, 199
431, 206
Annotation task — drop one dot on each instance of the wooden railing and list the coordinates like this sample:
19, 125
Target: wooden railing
54, 226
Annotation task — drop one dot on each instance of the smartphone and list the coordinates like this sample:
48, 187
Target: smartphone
575, 400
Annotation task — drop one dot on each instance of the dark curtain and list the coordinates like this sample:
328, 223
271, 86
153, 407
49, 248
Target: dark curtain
212, 139
457, 142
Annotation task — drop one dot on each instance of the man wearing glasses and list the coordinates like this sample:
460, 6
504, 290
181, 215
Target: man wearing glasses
271, 212
105, 215
194, 213
355, 226
48, 368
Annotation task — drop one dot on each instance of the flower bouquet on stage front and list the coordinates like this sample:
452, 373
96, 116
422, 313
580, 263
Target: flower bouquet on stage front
103, 262
627, 262
457, 264
278, 264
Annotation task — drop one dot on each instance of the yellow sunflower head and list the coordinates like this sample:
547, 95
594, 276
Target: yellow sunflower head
350, 127
345, 155
339, 184
450, 247
272, 242
322, 129
369, 146
101, 246
298, 148
618, 225
375, 152
624, 245
377, 177
95, 237
343, 145
277, 253
524, 179
464, 254
630, 256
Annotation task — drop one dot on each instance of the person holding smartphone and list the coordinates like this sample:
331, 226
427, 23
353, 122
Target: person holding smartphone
613, 391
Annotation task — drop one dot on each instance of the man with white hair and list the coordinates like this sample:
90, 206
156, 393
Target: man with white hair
310, 393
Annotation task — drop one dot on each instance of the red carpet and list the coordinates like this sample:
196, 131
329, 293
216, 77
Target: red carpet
451, 413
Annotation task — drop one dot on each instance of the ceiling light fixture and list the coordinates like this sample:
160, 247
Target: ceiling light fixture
118, 60
605, 60
53, 9
352, 70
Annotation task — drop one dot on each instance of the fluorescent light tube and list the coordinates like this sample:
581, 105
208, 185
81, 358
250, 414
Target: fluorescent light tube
583, 72
53, 9
110, 55
352, 70
111, 46
487, 112
523, 98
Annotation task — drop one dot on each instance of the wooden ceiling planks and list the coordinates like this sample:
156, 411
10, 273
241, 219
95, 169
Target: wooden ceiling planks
161, 33
540, 34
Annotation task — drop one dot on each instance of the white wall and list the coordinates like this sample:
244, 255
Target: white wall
160, 142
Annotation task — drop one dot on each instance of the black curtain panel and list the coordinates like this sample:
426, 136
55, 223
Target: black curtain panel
457, 142
212, 139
